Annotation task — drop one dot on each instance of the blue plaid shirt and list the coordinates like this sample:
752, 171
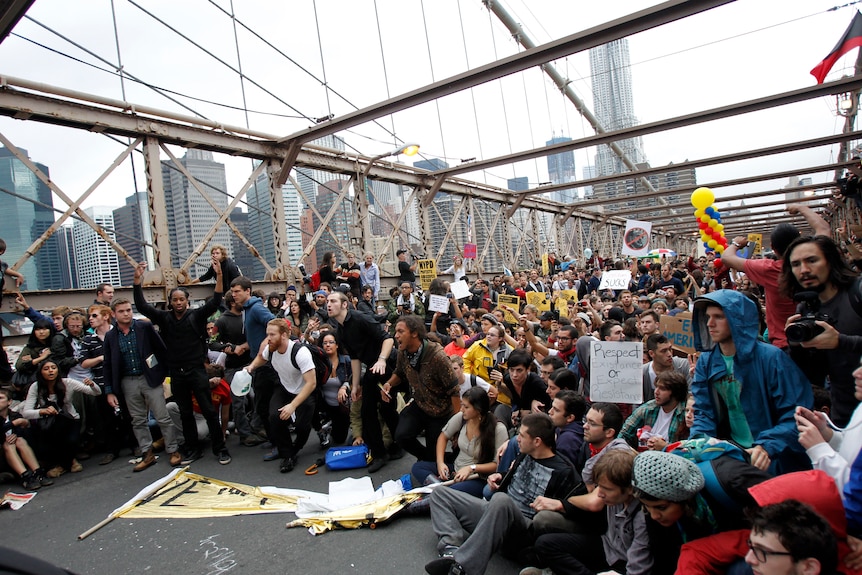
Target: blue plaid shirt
132, 363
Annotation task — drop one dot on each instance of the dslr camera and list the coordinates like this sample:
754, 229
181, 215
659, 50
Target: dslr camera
306, 279
805, 328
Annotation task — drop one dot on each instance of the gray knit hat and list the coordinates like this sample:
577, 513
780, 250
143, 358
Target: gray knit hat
666, 476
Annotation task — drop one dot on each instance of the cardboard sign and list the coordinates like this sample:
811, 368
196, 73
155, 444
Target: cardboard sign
427, 272
616, 280
546, 269
513, 302
460, 289
438, 303
679, 330
616, 371
636, 238
539, 299
469, 251
563, 298
755, 245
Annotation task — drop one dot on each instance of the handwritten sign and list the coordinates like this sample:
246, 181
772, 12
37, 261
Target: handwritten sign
539, 299
616, 371
438, 303
469, 251
460, 289
427, 272
679, 330
513, 302
616, 280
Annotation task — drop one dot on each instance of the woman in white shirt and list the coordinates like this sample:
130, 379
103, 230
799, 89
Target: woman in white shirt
56, 424
457, 269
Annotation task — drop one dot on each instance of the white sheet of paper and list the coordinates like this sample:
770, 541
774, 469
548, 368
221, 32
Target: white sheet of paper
350, 491
460, 289
438, 303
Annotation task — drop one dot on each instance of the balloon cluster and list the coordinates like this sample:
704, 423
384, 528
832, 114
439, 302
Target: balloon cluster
709, 222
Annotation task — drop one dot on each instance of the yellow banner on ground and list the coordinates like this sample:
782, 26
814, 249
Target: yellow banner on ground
188, 495
539, 299
365, 515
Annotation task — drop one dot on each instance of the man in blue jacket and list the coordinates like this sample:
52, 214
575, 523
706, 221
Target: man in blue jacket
746, 390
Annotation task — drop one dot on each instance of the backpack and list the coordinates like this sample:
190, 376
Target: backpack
322, 365
315, 281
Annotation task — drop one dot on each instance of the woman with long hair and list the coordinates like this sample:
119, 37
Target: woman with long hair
56, 423
37, 350
327, 270
297, 316
336, 390
479, 437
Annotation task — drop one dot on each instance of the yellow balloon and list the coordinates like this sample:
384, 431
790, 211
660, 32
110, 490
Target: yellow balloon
698, 212
719, 248
713, 224
720, 228
705, 218
702, 198
712, 243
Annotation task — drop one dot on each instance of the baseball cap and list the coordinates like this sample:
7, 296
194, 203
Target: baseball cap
459, 322
643, 298
547, 316
585, 317
401, 251
291, 288
320, 292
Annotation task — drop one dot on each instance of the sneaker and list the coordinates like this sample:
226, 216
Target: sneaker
30, 481
56, 472
108, 458
448, 551
376, 464
224, 457
442, 566
266, 445
176, 459
287, 464
191, 456
76, 467
272, 455
252, 440
148, 460
82, 456
43, 481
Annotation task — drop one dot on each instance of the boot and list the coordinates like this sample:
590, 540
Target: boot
147, 460
30, 481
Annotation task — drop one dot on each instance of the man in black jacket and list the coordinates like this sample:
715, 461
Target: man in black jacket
184, 333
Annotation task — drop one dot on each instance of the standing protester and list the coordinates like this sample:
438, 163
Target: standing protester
292, 401
369, 274
366, 344
349, 272
406, 271
184, 333
229, 270
134, 369
426, 368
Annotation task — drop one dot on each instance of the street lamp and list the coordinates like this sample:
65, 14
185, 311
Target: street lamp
363, 227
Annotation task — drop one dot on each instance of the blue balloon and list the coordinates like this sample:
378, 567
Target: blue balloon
709, 211
706, 245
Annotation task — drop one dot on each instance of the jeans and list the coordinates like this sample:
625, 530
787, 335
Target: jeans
411, 422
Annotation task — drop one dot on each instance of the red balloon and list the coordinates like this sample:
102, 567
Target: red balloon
717, 263
723, 241
702, 225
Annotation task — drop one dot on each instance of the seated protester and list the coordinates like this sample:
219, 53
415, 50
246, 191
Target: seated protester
37, 351
523, 386
623, 547
457, 338
468, 381
815, 489
567, 335
567, 413
791, 534
221, 399
559, 380
19, 454
56, 424
336, 390
832, 451
669, 487
479, 436
485, 356
471, 529
661, 420
658, 351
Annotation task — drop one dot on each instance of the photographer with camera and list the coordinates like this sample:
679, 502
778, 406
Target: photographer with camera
405, 304
829, 318
406, 270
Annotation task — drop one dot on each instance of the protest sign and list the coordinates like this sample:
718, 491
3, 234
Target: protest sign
469, 251
539, 299
616, 371
513, 302
563, 298
616, 280
460, 289
679, 330
438, 303
636, 238
427, 272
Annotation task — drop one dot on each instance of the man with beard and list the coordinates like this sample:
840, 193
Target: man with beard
661, 420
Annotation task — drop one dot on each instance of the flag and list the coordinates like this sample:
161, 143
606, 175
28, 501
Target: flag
852, 39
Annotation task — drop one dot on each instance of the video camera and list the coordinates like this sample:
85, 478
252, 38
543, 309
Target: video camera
805, 328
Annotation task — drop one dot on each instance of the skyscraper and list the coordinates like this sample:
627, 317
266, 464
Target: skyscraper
261, 232
24, 221
190, 216
309, 179
519, 184
561, 169
613, 102
129, 230
97, 262
238, 252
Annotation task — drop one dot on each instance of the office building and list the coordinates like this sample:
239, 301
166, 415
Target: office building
561, 169
261, 231
130, 232
97, 261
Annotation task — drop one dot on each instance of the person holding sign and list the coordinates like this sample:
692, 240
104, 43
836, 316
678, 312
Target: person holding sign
746, 390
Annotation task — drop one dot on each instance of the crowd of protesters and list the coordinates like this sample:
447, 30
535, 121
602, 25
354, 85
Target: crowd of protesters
741, 456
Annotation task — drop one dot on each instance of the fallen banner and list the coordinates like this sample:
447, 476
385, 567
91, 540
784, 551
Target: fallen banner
366, 515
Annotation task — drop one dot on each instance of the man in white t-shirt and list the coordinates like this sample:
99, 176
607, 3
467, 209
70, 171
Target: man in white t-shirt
467, 381
293, 400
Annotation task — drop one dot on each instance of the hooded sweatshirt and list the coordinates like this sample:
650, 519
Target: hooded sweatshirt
770, 384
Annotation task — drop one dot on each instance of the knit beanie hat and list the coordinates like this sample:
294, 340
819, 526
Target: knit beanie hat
667, 476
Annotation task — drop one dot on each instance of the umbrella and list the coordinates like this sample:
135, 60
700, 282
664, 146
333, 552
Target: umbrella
657, 253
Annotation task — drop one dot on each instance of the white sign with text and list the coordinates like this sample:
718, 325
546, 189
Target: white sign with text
616, 280
616, 372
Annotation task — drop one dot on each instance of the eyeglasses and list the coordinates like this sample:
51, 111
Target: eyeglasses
564, 339
589, 423
763, 555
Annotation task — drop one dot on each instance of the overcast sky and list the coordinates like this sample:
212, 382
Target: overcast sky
745, 50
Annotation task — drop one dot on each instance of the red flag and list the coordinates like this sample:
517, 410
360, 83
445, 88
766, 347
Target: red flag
852, 39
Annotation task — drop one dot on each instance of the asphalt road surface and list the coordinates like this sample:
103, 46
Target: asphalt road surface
48, 526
